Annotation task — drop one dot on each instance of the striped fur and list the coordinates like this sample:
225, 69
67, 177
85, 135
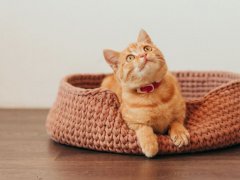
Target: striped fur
161, 111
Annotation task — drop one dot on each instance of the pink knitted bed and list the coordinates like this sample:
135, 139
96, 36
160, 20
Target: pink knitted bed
87, 116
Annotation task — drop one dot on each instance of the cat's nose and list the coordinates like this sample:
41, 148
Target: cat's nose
143, 55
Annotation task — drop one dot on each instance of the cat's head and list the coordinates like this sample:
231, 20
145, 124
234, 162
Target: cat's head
139, 64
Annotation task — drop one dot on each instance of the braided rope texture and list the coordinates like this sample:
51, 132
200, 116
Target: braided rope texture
87, 116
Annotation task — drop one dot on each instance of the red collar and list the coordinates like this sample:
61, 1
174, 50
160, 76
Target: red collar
148, 88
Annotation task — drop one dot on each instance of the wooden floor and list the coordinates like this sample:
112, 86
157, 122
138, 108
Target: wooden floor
26, 152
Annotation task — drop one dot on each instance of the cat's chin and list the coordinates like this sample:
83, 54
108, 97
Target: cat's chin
146, 77
136, 84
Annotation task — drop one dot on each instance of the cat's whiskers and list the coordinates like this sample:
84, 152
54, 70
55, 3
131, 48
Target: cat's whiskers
128, 74
151, 60
142, 65
159, 57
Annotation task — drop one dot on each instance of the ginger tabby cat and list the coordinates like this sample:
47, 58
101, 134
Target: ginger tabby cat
150, 97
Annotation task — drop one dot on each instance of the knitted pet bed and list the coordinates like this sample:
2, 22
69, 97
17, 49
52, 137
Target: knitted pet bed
87, 116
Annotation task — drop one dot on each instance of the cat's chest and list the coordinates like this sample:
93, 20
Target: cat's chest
158, 117
161, 111
148, 113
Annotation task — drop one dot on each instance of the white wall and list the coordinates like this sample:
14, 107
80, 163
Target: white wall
41, 41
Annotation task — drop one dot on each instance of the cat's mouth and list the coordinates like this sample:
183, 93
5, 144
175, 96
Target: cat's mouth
143, 65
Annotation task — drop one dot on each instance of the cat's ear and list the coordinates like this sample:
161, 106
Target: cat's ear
144, 37
112, 58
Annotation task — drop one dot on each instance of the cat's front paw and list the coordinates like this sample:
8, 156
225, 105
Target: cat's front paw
150, 149
147, 141
179, 136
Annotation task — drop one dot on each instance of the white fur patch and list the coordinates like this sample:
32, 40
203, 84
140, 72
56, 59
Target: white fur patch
135, 53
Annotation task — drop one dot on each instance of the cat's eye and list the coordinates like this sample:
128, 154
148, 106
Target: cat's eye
147, 48
130, 58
